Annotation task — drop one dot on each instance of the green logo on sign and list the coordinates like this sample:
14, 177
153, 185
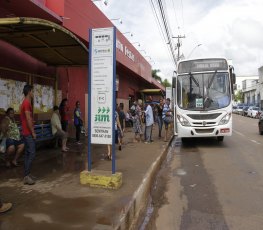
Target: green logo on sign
103, 115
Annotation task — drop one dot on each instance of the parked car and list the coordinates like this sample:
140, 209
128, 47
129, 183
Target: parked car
259, 113
253, 111
239, 109
260, 124
244, 111
234, 110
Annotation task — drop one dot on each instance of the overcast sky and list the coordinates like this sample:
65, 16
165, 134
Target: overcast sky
231, 29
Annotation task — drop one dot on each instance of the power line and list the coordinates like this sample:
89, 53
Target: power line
167, 30
160, 27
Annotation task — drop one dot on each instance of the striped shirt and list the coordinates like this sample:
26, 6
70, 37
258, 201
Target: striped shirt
166, 108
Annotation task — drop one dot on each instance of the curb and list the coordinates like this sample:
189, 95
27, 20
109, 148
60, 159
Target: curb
135, 207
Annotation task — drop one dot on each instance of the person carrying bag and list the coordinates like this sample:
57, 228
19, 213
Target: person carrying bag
167, 116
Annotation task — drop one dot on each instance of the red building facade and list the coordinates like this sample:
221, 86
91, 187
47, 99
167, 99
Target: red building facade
133, 71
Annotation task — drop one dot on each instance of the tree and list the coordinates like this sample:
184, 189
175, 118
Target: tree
166, 83
239, 96
156, 76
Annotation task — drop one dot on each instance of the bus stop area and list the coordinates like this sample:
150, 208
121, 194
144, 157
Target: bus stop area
59, 201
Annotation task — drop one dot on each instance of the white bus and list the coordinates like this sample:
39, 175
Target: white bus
202, 91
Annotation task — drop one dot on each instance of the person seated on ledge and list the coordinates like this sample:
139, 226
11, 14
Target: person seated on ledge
57, 128
14, 142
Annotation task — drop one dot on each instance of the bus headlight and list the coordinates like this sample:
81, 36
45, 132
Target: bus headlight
225, 119
183, 121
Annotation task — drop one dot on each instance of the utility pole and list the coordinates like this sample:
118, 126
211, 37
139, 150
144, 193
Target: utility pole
178, 45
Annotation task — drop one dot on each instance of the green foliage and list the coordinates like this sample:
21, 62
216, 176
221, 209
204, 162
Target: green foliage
166, 83
239, 96
155, 75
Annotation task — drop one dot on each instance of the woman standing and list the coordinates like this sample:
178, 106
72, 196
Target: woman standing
64, 114
118, 135
159, 109
137, 122
78, 122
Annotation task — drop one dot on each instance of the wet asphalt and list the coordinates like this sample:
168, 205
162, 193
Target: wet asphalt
206, 185
58, 201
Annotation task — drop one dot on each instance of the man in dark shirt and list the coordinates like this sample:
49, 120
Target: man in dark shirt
159, 108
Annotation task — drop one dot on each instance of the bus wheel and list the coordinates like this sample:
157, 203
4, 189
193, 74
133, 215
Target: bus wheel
220, 138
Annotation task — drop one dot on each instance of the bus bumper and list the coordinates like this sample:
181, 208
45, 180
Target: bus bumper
207, 131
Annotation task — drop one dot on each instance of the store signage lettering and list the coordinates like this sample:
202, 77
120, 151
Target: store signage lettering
119, 45
125, 50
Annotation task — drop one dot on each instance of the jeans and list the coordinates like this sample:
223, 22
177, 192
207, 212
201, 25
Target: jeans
78, 131
148, 133
160, 124
30, 152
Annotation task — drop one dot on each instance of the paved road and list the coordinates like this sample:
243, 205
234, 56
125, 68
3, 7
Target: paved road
211, 185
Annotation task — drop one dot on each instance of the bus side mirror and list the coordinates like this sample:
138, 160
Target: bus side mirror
234, 78
234, 86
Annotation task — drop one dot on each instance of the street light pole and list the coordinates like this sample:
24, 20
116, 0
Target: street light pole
116, 19
193, 50
105, 1
178, 45
128, 33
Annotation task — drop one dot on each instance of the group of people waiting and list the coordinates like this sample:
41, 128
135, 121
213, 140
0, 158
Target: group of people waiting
164, 116
16, 142
60, 120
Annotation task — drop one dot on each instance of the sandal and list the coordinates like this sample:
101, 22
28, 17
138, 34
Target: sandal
109, 157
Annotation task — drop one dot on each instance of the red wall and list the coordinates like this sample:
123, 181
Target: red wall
78, 17
73, 81
86, 14
18, 60
27, 8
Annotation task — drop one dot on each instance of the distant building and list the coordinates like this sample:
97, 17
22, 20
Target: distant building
260, 85
252, 87
241, 78
249, 88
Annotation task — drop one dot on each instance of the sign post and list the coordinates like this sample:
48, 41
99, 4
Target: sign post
102, 101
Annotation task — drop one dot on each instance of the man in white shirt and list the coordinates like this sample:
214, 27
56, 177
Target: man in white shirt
57, 128
148, 122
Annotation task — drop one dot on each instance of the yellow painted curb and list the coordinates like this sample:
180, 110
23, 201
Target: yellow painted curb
101, 179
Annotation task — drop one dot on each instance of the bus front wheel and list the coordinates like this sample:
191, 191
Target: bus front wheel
220, 138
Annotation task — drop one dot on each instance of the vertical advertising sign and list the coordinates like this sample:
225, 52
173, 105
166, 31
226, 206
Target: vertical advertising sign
102, 85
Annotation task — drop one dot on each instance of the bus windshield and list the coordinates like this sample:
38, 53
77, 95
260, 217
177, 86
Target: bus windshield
203, 91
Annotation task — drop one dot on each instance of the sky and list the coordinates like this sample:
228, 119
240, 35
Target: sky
212, 28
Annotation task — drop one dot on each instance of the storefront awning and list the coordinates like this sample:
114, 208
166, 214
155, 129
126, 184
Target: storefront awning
44, 40
152, 91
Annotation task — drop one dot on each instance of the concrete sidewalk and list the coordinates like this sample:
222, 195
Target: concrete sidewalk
59, 201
